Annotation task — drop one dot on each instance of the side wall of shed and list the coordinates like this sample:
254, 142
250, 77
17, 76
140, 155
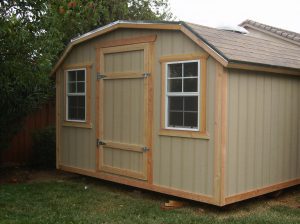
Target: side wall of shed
179, 163
263, 146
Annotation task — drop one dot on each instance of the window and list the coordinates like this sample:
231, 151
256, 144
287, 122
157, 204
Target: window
76, 95
182, 95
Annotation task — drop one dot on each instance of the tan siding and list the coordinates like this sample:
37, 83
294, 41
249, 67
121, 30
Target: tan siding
263, 119
122, 159
181, 163
123, 111
125, 61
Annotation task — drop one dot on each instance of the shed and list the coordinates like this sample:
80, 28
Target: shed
182, 109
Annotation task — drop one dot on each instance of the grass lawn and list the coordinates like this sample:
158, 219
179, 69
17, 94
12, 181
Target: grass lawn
79, 199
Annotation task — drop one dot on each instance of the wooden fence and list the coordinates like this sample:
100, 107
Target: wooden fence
20, 150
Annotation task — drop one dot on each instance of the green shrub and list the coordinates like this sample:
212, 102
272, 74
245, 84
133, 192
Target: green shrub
44, 148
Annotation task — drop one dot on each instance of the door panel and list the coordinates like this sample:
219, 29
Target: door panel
124, 61
123, 111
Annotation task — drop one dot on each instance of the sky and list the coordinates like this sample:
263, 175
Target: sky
283, 14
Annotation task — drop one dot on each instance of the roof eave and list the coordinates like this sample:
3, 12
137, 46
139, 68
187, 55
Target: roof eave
262, 67
180, 26
110, 27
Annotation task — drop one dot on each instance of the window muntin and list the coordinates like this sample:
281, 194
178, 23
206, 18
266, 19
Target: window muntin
76, 95
182, 95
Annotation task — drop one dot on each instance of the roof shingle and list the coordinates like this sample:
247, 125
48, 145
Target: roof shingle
274, 30
237, 47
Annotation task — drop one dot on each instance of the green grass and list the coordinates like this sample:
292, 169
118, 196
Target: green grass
67, 201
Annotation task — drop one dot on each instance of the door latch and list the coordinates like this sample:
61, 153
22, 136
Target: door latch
146, 74
99, 142
100, 76
145, 149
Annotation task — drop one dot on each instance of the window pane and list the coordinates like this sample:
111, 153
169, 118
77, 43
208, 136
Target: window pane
191, 119
175, 70
80, 75
80, 101
76, 107
80, 87
80, 114
190, 69
71, 114
175, 119
176, 103
71, 76
72, 101
72, 87
174, 85
190, 85
191, 103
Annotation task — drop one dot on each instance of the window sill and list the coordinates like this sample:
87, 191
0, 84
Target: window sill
77, 124
184, 134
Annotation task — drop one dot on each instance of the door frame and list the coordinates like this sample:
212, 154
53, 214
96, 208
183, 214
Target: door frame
133, 44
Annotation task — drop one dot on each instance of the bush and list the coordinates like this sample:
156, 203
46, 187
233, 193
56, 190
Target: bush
43, 147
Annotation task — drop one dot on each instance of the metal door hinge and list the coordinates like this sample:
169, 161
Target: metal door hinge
99, 142
100, 76
145, 149
146, 74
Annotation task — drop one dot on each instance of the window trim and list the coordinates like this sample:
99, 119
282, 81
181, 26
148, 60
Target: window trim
75, 94
86, 123
201, 131
168, 94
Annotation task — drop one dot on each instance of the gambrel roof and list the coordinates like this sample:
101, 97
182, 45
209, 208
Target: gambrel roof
232, 50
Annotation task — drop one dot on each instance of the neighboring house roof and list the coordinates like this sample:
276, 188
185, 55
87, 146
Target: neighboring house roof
287, 35
231, 49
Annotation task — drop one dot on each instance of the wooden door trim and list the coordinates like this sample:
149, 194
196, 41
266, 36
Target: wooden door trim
147, 48
127, 41
123, 172
124, 75
127, 147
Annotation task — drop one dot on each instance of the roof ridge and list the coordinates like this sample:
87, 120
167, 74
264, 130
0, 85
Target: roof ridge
291, 35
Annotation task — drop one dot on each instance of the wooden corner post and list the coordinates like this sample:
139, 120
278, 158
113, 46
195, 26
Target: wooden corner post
221, 93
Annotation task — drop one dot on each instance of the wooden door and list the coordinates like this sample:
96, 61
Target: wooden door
124, 128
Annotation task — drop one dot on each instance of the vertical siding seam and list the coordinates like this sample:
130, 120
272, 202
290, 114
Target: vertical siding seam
237, 137
270, 139
181, 163
171, 182
194, 189
255, 142
298, 134
247, 131
287, 137
264, 130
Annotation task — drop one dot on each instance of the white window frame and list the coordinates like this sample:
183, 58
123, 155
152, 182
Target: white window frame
75, 94
168, 94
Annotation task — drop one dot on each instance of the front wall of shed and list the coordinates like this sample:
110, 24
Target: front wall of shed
263, 130
180, 163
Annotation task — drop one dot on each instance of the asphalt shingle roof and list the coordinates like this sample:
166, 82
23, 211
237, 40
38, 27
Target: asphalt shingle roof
236, 47
273, 30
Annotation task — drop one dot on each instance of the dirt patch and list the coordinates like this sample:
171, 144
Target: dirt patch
15, 175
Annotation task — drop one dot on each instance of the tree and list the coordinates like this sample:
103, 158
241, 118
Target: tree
67, 19
34, 33
23, 83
